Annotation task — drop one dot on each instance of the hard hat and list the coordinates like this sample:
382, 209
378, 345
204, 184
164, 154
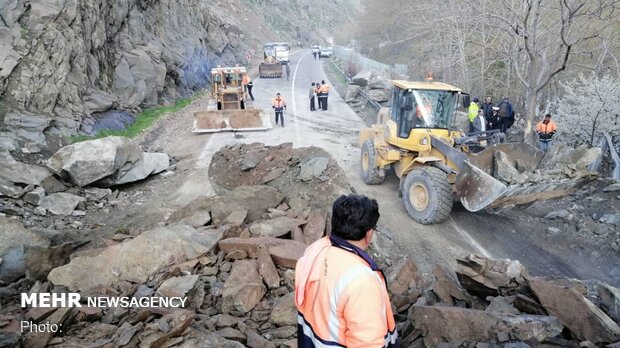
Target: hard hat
496, 108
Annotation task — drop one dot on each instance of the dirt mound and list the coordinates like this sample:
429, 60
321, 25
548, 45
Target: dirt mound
307, 176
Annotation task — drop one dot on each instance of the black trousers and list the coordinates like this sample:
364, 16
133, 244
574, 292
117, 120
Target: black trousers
324, 102
312, 108
250, 92
279, 115
503, 123
319, 100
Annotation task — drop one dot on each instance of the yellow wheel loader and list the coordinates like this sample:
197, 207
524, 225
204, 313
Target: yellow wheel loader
270, 67
229, 108
436, 164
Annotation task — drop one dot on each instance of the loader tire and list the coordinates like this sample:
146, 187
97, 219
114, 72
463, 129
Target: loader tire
371, 174
427, 195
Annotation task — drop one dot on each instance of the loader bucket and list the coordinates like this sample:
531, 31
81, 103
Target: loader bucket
229, 120
477, 188
270, 70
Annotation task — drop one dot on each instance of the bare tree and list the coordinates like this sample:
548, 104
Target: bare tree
544, 37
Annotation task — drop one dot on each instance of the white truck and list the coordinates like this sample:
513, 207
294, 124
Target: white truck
282, 50
326, 52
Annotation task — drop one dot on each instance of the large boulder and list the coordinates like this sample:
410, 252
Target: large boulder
564, 299
255, 199
380, 95
87, 162
61, 203
15, 239
136, 259
243, 289
362, 78
462, 326
352, 92
26, 127
21, 173
484, 277
610, 300
276, 227
150, 163
378, 82
284, 313
454, 325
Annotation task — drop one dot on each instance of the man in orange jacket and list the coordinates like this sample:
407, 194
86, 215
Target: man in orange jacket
340, 293
546, 129
324, 94
279, 105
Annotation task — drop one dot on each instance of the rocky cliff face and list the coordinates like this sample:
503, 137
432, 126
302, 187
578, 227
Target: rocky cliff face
62, 62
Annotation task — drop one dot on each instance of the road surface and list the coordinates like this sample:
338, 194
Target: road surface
336, 131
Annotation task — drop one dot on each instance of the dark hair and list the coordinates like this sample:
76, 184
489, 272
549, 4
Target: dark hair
313, 83
353, 216
323, 81
547, 115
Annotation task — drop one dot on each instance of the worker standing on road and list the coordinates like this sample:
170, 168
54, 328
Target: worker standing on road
288, 70
473, 113
340, 292
248, 84
546, 129
314, 53
324, 89
311, 95
279, 105
317, 91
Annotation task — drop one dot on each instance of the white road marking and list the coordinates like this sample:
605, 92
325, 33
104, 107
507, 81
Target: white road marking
297, 132
470, 239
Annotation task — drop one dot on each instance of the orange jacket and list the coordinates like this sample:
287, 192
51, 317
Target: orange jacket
324, 88
342, 299
246, 79
278, 103
543, 128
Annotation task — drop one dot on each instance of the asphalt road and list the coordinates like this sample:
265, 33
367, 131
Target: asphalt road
336, 130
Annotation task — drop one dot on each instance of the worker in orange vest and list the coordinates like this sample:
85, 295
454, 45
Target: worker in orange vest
248, 84
317, 89
546, 129
324, 94
340, 293
279, 105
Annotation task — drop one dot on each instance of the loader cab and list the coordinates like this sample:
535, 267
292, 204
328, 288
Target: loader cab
423, 107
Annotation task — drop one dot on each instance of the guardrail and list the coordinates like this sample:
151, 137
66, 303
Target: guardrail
615, 174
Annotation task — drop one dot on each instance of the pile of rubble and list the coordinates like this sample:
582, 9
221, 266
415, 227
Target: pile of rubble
560, 163
372, 85
496, 303
73, 175
231, 255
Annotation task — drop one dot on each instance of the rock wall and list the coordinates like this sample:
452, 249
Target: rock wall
62, 62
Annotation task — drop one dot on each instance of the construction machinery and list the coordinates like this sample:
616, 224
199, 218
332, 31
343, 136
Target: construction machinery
229, 108
270, 67
436, 163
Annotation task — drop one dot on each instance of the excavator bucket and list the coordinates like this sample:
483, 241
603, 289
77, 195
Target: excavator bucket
270, 69
230, 120
478, 188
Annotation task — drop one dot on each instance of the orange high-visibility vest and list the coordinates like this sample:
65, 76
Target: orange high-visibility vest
279, 102
246, 79
551, 127
341, 300
324, 88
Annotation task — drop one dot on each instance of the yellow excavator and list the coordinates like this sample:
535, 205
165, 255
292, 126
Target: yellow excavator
270, 67
229, 108
436, 163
